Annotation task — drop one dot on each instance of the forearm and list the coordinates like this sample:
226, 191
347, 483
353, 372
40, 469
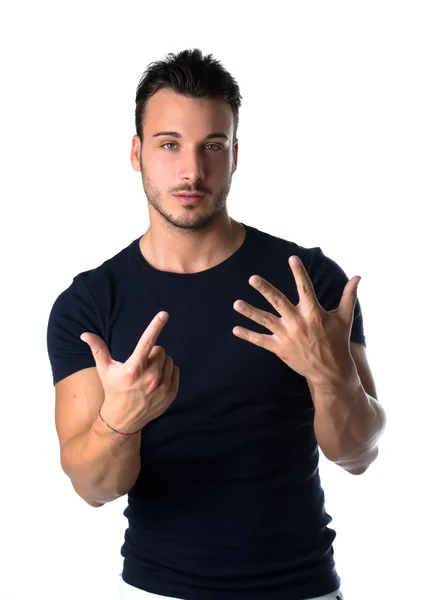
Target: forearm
348, 424
102, 465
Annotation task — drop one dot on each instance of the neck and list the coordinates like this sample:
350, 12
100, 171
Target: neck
177, 250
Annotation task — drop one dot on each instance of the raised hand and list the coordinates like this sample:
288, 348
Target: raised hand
311, 341
140, 389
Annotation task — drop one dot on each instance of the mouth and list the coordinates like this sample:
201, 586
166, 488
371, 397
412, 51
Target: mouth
189, 198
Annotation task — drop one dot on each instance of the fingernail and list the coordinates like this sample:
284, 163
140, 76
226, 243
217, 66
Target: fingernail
163, 316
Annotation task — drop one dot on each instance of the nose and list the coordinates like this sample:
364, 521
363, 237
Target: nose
191, 167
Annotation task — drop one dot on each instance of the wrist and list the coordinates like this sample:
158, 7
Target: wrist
345, 381
107, 431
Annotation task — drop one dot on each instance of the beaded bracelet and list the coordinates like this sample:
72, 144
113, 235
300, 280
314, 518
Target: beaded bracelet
99, 414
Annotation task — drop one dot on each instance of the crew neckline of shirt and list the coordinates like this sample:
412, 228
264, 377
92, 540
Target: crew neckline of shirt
221, 267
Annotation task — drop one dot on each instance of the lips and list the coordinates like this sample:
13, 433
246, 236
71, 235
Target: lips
189, 195
189, 199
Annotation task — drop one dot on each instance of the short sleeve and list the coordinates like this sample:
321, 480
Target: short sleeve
72, 314
329, 280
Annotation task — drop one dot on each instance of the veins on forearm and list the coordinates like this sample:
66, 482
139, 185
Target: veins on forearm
347, 423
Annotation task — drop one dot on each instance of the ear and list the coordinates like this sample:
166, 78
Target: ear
135, 153
235, 156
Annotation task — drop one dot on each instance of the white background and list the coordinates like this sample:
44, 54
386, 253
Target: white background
336, 149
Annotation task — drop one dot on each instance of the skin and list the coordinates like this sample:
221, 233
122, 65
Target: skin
180, 238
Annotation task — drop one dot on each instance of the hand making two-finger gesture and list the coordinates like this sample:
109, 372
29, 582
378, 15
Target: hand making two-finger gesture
140, 389
311, 341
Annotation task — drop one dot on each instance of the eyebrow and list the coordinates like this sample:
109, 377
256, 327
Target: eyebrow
179, 135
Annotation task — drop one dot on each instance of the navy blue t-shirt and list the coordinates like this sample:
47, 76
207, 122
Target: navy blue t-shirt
228, 502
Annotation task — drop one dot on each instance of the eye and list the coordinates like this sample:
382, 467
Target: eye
218, 148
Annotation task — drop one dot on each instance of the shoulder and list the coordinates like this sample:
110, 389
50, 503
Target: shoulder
95, 283
275, 243
83, 306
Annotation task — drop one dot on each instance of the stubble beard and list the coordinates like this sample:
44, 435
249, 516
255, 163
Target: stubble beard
186, 220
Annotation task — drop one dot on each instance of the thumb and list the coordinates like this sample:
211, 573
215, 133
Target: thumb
98, 348
348, 301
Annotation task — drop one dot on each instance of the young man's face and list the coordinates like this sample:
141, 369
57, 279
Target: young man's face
192, 162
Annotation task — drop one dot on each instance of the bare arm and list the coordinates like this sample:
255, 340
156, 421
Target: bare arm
349, 420
102, 465
87, 453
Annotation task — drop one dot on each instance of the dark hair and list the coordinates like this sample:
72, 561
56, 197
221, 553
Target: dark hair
190, 74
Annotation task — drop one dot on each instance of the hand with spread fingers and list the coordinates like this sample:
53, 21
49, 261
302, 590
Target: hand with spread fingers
311, 341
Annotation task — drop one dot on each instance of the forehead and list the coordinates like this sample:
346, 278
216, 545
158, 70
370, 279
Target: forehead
167, 109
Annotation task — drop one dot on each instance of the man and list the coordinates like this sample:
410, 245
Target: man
214, 432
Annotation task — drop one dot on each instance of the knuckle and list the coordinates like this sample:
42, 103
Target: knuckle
151, 380
147, 344
278, 301
280, 353
297, 328
157, 351
316, 318
261, 342
131, 371
265, 321
307, 287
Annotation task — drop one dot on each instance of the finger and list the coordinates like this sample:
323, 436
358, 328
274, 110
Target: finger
306, 292
167, 370
259, 339
348, 301
175, 378
157, 358
262, 317
278, 300
98, 348
148, 339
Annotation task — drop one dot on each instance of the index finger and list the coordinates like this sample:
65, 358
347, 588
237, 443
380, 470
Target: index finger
149, 338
